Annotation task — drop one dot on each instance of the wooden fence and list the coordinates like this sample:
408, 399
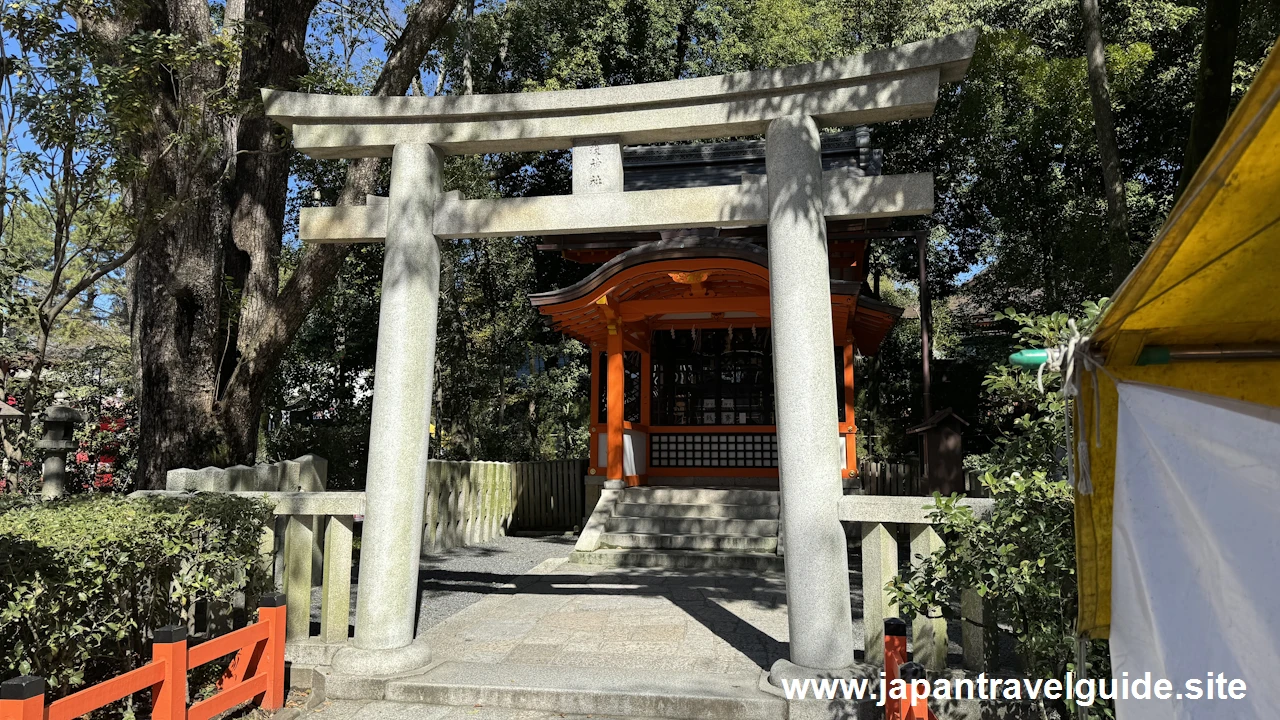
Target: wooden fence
256, 673
549, 495
891, 479
902, 480
471, 502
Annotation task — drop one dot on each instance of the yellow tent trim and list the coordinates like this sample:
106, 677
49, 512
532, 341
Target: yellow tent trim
1210, 275
1251, 381
1210, 278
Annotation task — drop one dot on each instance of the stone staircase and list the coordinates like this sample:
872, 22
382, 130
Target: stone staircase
683, 527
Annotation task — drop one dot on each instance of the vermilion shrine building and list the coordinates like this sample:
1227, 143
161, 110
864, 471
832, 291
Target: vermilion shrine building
678, 322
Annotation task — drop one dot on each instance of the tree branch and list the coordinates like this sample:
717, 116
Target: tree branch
320, 264
89, 279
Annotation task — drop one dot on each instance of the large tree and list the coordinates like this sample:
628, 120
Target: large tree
212, 316
1213, 83
1108, 148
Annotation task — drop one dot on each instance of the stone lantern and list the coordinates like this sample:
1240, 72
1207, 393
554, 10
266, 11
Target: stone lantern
59, 437
8, 412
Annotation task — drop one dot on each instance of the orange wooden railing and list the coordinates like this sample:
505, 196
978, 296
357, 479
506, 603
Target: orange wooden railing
256, 672
896, 667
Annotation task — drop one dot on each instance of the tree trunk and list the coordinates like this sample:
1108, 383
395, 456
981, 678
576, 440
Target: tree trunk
1213, 84
275, 58
212, 211
270, 319
177, 280
1112, 179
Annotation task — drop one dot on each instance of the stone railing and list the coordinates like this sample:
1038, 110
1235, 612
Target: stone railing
878, 518
314, 523
471, 502
311, 542
304, 516
309, 473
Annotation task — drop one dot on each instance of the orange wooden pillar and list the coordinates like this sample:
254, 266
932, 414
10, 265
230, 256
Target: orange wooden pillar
169, 698
22, 698
615, 401
849, 427
593, 451
272, 611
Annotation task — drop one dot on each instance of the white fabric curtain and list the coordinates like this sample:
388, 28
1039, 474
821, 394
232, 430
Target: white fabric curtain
1196, 551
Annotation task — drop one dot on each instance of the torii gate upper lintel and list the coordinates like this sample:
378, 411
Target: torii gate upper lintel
794, 199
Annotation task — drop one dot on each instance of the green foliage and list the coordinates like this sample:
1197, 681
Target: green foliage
63, 234
1020, 559
1032, 424
83, 582
511, 389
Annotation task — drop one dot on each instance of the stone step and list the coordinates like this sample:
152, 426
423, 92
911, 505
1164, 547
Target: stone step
692, 526
591, 691
703, 481
679, 559
700, 496
662, 541
695, 510
387, 710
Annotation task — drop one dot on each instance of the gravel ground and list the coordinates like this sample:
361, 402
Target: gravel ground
455, 579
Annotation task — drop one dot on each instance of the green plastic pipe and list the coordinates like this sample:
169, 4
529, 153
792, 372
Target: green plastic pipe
1030, 358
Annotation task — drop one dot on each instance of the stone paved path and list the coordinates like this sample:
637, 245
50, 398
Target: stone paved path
383, 710
562, 615
570, 615
457, 578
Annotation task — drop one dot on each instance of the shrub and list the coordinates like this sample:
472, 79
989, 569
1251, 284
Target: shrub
84, 581
1022, 558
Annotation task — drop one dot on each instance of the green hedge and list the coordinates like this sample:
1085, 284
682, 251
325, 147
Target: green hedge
84, 581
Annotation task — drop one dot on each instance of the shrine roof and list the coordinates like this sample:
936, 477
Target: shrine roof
678, 248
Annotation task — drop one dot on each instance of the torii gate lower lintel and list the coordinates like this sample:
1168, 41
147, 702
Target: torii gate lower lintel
793, 199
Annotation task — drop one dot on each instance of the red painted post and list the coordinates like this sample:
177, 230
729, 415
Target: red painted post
22, 698
919, 709
895, 654
169, 699
272, 611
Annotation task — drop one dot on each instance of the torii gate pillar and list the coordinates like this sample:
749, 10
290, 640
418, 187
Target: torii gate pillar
387, 606
817, 563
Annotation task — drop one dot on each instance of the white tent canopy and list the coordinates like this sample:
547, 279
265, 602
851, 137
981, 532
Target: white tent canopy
1195, 590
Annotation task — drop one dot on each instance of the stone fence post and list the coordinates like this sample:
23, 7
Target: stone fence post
878, 517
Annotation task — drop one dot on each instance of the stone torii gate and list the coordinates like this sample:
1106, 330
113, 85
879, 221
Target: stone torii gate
787, 105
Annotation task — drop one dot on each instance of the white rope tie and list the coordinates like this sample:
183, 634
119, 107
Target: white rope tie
1072, 359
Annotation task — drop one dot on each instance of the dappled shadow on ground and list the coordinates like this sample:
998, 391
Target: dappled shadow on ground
487, 550
708, 597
